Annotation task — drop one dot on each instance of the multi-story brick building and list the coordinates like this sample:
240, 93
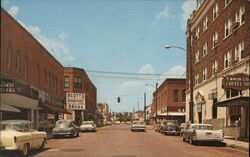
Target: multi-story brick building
76, 80
103, 109
218, 44
170, 97
31, 78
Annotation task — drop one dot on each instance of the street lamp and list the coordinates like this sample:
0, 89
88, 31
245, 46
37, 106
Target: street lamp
191, 118
156, 86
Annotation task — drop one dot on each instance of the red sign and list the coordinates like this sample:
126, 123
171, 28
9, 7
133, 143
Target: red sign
239, 81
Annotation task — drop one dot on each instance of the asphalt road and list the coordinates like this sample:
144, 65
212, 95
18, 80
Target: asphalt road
119, 141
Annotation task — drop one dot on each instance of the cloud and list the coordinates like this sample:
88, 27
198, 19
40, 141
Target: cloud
57, 45
177, 71
5, 3
187, 7
163, 14
146, 69
13, 11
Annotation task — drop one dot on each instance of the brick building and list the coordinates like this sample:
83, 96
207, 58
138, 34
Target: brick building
103, 109
218, 44
76, 80
31, 78
170, 97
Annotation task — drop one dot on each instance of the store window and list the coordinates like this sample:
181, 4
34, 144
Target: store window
235, 112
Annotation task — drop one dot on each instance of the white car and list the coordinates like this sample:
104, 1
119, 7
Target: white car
88, 126
138, 126
117, 122
20, 135
202, 132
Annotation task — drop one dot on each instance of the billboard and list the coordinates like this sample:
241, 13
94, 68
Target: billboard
75, 101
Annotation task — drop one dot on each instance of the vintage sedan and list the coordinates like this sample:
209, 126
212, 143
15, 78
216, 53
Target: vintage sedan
170, 127
21, 135
66, 128
202, 132
88, 126
138, 126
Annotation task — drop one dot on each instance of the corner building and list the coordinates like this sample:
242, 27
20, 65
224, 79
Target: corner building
218, 47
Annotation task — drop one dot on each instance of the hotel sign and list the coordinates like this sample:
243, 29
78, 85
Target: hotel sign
75, 101
239, 81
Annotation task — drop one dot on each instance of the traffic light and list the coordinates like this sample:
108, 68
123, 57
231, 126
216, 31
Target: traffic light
118, 99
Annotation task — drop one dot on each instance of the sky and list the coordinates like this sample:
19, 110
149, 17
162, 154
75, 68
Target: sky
118, 36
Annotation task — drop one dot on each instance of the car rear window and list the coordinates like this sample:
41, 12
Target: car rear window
203, 127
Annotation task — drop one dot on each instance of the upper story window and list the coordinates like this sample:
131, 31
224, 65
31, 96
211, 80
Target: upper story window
77, 82
197, 33
197, 55
26, 68
66, 81
228, 27
183, 95
233, 93
227, 2
204, 49
227, 59
18, 61
215, 11
242, 14
214, 67
239, 50
9, 55
175, 95
197, 79
215, 40
205, 24
204, 74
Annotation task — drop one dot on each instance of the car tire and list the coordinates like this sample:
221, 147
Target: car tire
183, 139
25, 150
78, 134
43, 144
191, 141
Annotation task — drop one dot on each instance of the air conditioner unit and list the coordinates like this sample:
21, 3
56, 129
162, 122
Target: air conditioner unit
236, 24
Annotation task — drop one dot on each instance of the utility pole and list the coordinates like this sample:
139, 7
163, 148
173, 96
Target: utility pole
156, 86
145, 107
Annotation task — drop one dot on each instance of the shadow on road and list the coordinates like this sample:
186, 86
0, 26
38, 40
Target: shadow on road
211, 144
32, 152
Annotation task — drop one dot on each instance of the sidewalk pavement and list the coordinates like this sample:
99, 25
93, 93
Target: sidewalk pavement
241, 144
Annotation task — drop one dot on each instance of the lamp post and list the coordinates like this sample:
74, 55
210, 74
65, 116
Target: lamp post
156, 86
191, 117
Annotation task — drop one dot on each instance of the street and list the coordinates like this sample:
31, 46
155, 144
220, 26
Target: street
119, 141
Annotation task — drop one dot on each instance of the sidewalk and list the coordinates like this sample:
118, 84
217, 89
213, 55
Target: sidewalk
241, 144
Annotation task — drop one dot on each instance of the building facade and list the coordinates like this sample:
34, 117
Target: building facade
76, 80
170, 100
103, 109
218, 47
31, 78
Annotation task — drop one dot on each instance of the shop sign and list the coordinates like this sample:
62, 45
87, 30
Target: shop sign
75, 101
7, 88
239, 81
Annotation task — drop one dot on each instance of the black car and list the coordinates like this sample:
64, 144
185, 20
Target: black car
66, 128
170, 127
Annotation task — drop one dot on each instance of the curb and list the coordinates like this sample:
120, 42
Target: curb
237, 147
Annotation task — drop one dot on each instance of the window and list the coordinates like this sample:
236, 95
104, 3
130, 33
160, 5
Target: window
233, 93
235, 114
239, 50
197, 33
183, 95
242, 15
227, 2
214, 67
197, 54
205, 24
197, 79
227, 59
9, 55
215, 11
17, 61
77, 82
228, 27
204, 50
176, 92
66, 81
26, 68
204, 74
215, 40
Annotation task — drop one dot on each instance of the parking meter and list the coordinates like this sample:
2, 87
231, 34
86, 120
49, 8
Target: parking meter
236, 123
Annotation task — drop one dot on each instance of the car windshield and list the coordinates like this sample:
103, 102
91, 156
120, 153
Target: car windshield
62, 124
203, 127
171, 123
137, 122
17, 127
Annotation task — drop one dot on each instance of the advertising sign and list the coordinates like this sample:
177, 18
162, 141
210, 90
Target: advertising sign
75, 101
237, 81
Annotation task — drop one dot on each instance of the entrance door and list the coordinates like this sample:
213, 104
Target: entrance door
200, 117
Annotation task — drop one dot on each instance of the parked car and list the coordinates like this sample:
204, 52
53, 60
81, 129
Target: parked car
157, 127
21, 135
182, 128
170, 127
128, 122
202, 132
117, 122
65, 128
138, 126
88, 126
109, 123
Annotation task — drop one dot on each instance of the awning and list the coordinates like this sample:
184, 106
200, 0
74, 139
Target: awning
5, 107
172, 114
53, 108
239, 101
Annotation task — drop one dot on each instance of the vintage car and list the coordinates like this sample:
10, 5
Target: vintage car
157, 127
21, 135
170, 127
65, 128
88, 126
138, 126
202, 132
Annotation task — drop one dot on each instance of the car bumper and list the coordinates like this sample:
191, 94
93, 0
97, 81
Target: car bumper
219, 139
171, 132
88, 129
138, 129
61, 133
